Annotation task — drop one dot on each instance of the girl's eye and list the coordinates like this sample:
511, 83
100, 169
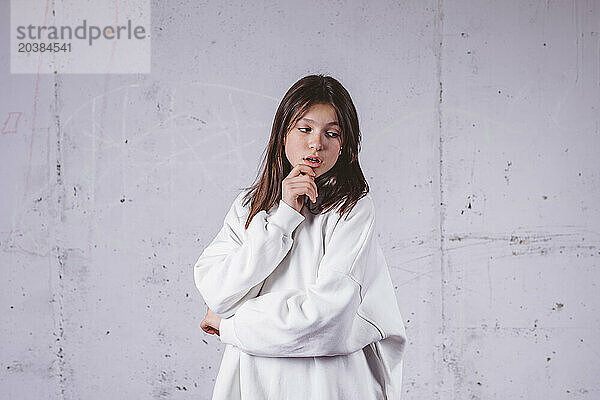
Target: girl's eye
330, 133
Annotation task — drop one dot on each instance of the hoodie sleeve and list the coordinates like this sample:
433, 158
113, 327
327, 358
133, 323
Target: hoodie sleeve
234, 265
323, 319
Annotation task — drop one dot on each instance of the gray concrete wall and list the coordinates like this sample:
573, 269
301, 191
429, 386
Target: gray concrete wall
481, 135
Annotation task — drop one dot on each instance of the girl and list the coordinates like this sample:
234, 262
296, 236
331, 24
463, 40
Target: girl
295, 281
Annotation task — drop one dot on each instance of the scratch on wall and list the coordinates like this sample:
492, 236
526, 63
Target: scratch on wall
58, 294
59, 333
11, 124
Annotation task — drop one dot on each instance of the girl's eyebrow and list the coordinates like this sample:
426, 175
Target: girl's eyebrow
327, 124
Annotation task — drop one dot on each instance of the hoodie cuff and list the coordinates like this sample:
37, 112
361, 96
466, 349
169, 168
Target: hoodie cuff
285, 217
227, 332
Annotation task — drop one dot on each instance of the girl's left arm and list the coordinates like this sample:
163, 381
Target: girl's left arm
323, 319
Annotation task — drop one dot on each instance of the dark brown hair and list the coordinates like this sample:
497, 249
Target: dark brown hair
344, 184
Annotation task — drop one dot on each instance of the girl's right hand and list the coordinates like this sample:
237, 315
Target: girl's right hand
300, 181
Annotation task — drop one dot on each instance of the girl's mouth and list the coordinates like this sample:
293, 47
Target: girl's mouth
313, 161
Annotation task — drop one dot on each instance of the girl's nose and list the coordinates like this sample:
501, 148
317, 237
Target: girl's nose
315, 142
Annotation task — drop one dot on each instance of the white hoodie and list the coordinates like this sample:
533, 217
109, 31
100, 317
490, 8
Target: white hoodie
308, 306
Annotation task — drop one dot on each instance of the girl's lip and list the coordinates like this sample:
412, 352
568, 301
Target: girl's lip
313, 164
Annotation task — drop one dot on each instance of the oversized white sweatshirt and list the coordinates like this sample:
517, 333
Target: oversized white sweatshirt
308, 306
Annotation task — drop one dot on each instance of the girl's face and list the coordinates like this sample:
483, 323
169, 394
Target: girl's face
317, 134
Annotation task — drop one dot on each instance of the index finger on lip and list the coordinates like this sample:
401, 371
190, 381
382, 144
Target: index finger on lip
305, 168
